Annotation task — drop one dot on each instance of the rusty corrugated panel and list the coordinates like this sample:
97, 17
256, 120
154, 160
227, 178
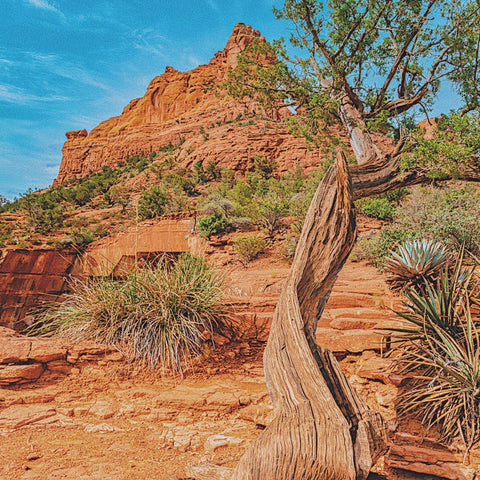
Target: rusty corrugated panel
29, 278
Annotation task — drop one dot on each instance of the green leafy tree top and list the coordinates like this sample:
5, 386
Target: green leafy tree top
365, 65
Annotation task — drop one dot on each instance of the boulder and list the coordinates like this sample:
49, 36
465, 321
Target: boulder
13, 374
14, 349
46, 350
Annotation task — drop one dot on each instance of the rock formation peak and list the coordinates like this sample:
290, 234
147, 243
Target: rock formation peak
169, 97
175, 109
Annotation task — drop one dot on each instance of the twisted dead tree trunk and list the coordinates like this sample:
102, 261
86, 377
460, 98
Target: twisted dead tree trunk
321, 430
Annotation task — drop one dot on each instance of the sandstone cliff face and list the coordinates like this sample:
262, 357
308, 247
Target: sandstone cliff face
174, 109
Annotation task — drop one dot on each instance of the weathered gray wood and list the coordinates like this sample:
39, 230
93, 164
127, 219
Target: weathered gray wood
320, 430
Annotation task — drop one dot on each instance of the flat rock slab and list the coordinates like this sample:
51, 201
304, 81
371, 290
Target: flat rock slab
45, 351
11, 374
349, 341
14, 349
428, 461
8, 332
17, 416
88, 350
20, 349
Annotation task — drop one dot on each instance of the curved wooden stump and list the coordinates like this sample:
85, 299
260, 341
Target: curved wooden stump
321, 430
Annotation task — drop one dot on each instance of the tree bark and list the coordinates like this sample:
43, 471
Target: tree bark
321, 430
362, 144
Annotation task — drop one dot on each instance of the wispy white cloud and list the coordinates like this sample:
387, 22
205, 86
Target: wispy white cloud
149, 41
48, 7
43, 4
38, 64
213, 5
12, 94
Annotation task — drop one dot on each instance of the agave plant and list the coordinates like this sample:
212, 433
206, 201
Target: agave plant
417, 261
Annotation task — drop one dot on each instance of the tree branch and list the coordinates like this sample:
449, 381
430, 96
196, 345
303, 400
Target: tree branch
384, 174
328, 57
351, 32
400, 56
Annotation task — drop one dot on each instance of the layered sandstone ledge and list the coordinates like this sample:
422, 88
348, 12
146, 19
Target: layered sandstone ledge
26, 359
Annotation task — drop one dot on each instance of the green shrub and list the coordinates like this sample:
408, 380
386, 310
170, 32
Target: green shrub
204, 134
378, 247
82, 236
213, 171
212, 224
376, 207
158, 314
382, 207
228, 177
118, 195
42, 212
448, 215
289, 247
153, 202
272, 209
248, 247
180, 181
199, 173
5, 233
264, 166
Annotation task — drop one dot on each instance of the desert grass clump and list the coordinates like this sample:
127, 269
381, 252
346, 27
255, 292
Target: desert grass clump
248, 247
159, 314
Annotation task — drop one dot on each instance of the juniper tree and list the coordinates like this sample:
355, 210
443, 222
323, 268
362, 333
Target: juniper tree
361, 68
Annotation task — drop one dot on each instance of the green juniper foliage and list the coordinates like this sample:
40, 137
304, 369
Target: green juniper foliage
377, 66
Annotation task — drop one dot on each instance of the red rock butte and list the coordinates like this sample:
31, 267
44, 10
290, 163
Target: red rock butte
174, 108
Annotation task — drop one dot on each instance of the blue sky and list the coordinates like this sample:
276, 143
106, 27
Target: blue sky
69, 64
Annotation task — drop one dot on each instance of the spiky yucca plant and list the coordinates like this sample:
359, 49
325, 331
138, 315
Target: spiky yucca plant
417, 261
439, 344
158, 314
438, 303
446, 392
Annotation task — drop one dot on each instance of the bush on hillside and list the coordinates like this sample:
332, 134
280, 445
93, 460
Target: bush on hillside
379, 208
378, 247
264, 167
212, 225
448, 215
43, 214
248, 247
153, 202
